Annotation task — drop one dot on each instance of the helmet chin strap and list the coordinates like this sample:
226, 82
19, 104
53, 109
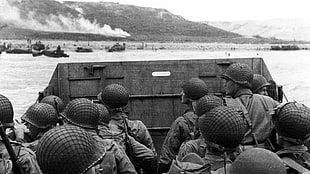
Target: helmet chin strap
219, 147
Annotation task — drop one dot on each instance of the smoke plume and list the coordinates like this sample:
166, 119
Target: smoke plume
55, 23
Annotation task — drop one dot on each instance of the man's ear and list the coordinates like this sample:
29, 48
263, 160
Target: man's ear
194, 104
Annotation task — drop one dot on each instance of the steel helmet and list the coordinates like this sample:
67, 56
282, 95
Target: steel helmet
293, 120
54, 100
68, 149
223, 126
6, 111
239, 73
103, 113
258, 82
115, 96
206, 103
82, 112
257, 161
195, 88
41, 115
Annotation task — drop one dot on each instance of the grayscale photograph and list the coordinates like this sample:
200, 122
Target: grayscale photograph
154, 87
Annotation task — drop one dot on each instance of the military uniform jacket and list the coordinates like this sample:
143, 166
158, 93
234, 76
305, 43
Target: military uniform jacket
198, 146
181, 130
260, 109
139, 151
136, 129
122, 163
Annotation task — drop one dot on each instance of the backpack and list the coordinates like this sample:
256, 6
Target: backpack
190, 164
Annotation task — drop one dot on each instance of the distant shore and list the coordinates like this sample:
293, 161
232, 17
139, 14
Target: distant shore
68, 45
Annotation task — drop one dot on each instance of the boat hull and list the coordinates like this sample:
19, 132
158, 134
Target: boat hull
19, 51
154, 86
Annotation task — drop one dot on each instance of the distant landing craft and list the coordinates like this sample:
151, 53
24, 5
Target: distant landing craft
83, 50
284, 47
117, 47
50, 53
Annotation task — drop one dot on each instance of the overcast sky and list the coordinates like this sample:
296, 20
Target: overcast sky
226, 10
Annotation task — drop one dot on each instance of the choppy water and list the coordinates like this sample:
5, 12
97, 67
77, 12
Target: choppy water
23, 76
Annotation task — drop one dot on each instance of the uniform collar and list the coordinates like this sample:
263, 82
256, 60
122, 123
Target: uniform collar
243, 91
118, 116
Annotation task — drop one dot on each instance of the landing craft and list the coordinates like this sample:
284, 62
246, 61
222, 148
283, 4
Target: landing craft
284, 47
19, 51
117, 47
50, 53
154, 86
83, 50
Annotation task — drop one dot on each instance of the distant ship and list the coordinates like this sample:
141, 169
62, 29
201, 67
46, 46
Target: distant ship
19, 51
50, 53
284, 47
83, 50
38, 46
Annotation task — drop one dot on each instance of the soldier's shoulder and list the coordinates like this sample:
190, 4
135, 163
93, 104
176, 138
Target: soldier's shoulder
266, 99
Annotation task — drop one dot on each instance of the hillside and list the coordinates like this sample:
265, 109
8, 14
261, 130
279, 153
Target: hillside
287, 29
49, 19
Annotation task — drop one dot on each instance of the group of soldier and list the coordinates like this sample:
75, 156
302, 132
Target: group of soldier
243, 131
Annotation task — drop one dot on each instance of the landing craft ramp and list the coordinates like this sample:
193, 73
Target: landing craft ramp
154, 86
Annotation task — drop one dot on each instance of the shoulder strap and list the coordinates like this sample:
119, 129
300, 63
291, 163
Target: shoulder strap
294, 165
248, 120
191, 129
245, 113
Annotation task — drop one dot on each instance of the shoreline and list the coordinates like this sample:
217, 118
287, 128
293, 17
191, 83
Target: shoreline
68, 45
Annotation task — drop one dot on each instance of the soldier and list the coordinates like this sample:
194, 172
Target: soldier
116, 97
140, 154
255, 161
105, 131
57, 103
58, 49
223, 129
198, 146
26, 158
69, 150
85, 114
257, 109
39, 118
183, 128
292, 121
206, 103
259, 85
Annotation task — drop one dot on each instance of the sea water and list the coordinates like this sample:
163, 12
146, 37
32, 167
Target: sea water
22, 76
